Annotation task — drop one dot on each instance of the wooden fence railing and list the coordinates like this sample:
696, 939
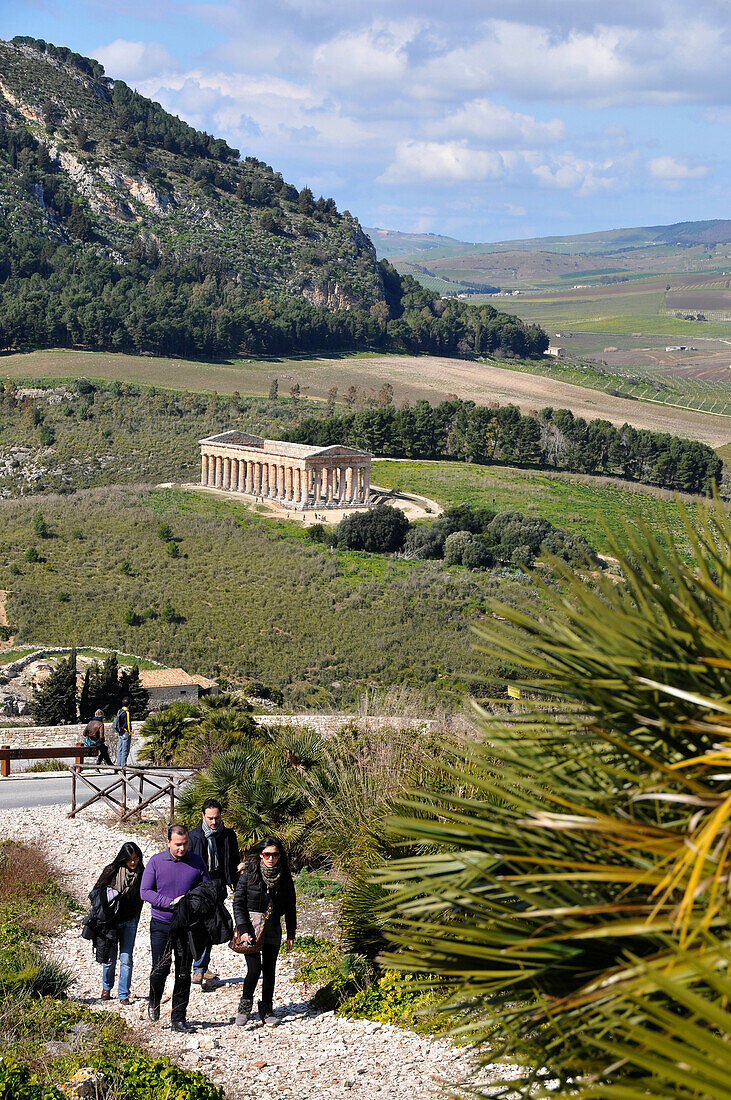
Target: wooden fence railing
123, 789
78, 751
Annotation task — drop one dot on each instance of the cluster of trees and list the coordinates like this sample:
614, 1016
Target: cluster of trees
145, 122
550, 438
478, 538
86, 65
52, 296
57, 700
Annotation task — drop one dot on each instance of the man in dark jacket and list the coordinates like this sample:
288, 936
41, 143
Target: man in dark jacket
94, 737
219, 849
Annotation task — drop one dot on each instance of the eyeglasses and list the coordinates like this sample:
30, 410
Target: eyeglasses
270, 855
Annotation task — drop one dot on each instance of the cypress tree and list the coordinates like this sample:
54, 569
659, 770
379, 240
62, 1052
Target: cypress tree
139, 697
85, 711
109, 687
54, 702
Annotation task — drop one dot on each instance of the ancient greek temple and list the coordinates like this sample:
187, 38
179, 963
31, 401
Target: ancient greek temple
294, 474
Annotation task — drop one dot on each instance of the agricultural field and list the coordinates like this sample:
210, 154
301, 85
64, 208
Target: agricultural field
241, 597
530, 384
597, 508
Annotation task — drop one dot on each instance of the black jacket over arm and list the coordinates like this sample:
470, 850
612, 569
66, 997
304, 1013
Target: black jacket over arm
227, 847
251, 897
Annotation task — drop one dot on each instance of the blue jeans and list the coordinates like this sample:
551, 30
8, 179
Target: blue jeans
123, 745
126, 941
201, 965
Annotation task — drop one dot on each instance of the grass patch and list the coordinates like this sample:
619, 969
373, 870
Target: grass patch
253, 599
587, 506
313, 884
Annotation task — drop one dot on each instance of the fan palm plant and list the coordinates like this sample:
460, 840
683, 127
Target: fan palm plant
584, 848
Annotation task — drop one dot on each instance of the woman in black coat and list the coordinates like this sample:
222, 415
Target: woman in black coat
265, 886
119, 885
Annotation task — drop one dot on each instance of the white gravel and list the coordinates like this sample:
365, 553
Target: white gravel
307, 1056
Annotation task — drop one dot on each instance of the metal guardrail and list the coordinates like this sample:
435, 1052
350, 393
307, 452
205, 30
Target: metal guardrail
124, 793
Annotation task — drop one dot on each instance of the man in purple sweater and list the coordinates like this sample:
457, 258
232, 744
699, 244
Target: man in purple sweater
168, 876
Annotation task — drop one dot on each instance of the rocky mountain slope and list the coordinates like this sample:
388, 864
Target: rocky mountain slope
123, 228
117, 170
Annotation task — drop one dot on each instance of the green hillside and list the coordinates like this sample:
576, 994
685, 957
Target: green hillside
125, 229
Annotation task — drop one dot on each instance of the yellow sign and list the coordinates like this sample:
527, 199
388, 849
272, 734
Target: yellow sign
513, 692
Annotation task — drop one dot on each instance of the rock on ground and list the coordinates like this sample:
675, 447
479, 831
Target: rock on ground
310, 1055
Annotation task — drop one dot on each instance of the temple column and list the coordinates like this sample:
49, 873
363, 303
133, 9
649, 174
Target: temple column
241, 483
349, 483
216, 471
265, 480
274, 481
250, 476
343, 486
298, 485
234, 474
366, 484
328, 485
226, 472
287, 482
204, 469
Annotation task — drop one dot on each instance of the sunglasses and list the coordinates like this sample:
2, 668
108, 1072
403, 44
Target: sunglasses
270, 855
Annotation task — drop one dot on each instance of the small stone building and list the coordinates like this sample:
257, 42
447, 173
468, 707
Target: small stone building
171, 685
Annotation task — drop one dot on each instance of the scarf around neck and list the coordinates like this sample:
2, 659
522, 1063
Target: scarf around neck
210, 835
270, 875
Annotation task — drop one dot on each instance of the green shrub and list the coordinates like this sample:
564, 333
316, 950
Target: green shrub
160, 1079
393, 999
18, 1083
23, 969
338, 976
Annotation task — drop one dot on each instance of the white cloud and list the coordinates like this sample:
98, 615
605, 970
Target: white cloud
670, 168
436, 161
684, 60
570, 173
372, 55
133, 61
238, 105
496, 124
456, 162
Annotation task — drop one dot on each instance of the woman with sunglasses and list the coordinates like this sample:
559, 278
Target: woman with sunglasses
265, 886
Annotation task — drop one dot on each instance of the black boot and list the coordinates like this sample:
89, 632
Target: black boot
243, 1012
266, 1015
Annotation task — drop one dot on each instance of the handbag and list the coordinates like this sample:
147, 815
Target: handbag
242, 943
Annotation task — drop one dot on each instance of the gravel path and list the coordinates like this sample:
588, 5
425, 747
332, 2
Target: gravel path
308, 1056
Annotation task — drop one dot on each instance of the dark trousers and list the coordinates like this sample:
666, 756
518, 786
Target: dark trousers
103, 756
264, 964
162, 956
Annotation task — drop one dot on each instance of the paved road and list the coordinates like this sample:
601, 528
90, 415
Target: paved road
46, 791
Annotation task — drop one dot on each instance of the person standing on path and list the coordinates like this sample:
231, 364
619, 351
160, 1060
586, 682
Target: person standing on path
123, 876
265, 886
122, 726
94, 737
168, 877
219, 849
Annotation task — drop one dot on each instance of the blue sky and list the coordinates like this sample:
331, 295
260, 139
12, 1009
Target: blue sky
477, 119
